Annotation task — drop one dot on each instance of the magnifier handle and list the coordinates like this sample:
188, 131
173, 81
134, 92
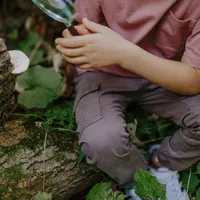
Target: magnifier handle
72, 30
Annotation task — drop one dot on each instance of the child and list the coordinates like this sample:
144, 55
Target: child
144, 52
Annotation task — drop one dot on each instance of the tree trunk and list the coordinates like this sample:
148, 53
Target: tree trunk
25, 168
7, 84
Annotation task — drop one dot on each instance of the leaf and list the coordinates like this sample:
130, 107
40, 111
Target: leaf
62, 116
43, 196
194, 182
29, 43
99, 191
38, 56
14, 34
38, 75
119, 195
198, 194
104, 191
148, 187
81, 157
41, 87
198, 168
37, 98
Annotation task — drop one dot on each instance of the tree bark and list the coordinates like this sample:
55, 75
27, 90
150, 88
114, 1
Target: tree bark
7, 84
26, 169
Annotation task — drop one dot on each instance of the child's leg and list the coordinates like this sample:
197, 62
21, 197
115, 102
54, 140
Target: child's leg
100, 103
182, 149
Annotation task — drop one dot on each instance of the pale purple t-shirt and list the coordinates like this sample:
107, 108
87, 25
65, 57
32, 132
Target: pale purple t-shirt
166, 28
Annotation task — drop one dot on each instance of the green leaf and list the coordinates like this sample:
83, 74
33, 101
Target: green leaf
43, 196
99, 191
148, 187
62, 116
29, 43
198, 194
40, 76
38, 56
119, 195
37, 98
81, 157
194, 182
198, 168
41, 87
104, 191
14, 34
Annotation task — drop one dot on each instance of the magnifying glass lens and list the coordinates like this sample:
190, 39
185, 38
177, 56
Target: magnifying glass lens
57, 4
60, 10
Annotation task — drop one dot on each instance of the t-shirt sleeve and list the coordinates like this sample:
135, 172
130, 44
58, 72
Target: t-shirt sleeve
90, 9
191, 55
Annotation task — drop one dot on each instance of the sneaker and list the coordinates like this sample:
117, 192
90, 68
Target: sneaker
171, 180
131, 194
165, 176
154, 148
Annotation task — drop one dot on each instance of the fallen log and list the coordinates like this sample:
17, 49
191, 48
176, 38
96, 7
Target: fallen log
33, 159
25, 169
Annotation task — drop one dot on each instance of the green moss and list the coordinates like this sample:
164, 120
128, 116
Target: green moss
63, 141
11, 183
34, 141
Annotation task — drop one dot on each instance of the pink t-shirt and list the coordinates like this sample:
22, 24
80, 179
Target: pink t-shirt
166, 28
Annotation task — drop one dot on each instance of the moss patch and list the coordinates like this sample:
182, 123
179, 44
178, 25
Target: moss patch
13, 183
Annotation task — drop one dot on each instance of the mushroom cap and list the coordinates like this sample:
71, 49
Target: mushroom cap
19, 61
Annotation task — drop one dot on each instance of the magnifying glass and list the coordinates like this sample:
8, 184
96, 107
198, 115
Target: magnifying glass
59, 10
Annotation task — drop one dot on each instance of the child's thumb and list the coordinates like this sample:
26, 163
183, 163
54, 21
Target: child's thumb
92, 26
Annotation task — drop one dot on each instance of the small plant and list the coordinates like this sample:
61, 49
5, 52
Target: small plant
56, 118
61, 117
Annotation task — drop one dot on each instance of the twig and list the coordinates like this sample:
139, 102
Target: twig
64, 129
150, 141
37, 46
40, 61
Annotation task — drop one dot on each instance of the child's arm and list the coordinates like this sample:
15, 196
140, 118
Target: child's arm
105, 47
175, 76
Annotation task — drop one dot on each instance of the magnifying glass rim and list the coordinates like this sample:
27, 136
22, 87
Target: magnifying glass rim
51, 14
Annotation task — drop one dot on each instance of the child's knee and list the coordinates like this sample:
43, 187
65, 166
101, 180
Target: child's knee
191, 123
104, 143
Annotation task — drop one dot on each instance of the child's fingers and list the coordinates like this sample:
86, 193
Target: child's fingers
66, 33
76, 60
80, 29
70, 52
85, 66
75, 42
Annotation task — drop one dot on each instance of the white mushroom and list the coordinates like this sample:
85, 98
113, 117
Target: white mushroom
19, 60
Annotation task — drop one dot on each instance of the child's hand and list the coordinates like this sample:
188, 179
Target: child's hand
80, 29
101, 48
